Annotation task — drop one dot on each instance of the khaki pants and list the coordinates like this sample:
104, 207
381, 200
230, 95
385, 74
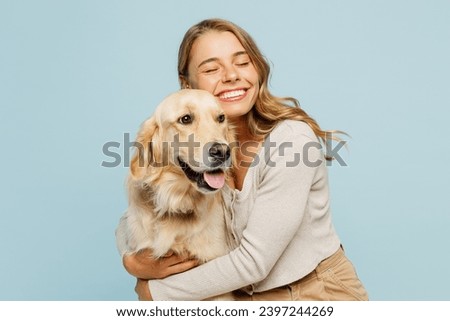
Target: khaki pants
334, 279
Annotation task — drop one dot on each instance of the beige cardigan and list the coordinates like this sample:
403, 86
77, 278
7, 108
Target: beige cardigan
279, 223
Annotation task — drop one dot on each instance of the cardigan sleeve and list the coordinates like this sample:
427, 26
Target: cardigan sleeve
286, 177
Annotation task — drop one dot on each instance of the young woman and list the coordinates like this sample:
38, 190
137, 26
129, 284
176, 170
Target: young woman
285, 245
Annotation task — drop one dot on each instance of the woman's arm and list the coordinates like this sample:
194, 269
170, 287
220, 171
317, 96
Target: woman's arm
142, 290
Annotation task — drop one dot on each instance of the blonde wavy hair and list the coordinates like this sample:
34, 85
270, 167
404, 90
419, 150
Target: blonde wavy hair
268, 109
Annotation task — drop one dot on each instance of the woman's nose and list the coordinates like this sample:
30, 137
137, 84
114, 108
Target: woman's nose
230, 74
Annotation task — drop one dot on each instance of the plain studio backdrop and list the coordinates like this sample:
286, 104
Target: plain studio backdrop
76, 75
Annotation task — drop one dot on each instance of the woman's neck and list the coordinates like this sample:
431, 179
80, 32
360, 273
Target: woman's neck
249, 146
243, 132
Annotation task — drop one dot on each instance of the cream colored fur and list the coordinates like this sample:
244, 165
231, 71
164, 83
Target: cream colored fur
167, 211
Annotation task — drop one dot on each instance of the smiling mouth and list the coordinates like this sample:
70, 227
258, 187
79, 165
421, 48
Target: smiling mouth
232, 95
206, 180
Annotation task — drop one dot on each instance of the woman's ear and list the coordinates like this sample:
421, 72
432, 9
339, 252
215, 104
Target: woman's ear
183, 82
144, 154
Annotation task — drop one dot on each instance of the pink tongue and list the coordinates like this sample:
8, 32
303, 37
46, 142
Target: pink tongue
216, 180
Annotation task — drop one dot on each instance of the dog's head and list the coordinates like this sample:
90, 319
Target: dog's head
188, 137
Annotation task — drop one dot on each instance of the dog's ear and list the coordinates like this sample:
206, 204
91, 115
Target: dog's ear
144, 154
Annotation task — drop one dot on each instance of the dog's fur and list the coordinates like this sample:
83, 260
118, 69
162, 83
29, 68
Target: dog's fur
169, 211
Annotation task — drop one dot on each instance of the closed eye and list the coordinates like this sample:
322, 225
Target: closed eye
210, 67
208, 71
243, 64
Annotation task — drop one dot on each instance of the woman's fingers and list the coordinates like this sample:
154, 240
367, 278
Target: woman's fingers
143, 265
169, 253
173, 259
181, 267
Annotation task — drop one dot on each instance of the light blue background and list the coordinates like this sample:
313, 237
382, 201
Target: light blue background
75, 75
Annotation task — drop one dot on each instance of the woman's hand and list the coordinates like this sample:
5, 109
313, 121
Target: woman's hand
143, 266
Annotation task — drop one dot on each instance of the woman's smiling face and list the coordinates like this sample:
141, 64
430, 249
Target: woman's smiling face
219, 64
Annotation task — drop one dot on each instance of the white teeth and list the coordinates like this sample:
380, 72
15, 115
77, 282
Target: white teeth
232, 94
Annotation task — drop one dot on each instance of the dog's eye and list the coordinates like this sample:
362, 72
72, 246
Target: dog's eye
185, 120
221, 118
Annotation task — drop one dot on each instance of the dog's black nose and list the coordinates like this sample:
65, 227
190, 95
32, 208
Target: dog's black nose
220, 152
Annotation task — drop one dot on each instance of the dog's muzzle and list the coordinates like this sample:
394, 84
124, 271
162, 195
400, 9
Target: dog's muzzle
219, 153
213, 179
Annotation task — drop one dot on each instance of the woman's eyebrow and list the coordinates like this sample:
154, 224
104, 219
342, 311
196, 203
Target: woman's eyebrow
239, 53
207, 61
213, 59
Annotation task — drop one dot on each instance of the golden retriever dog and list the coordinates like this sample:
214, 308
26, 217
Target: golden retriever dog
174, 186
